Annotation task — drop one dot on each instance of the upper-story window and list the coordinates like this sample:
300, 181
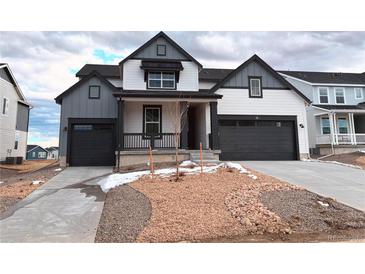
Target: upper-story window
323, 95
5, 106
165, 80
358, 93
340, 95
161, 50
94, 92
255, 87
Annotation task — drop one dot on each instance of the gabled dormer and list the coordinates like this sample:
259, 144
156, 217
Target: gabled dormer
160, 64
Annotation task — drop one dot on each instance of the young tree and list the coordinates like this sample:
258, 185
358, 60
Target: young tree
177, 112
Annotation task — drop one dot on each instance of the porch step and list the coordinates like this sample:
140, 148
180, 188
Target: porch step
208, 157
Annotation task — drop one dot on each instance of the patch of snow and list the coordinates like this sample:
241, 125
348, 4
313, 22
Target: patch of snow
323, 204
362, 151
1, 182
58, 169
252, 176
118, 179
187, 163
36, 182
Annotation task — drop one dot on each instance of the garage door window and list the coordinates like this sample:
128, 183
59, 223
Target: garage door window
83, 127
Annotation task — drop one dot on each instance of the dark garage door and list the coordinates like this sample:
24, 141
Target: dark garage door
92, 145
257, 140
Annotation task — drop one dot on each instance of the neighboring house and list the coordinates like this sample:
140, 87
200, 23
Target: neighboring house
336, 118
35, 152
52, 152
14, 116
115, 112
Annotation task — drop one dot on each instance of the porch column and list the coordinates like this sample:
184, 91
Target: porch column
120, 125
333, 128
184, 126
352, 128
214, 126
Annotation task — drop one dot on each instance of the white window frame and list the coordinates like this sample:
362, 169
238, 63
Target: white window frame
361, 96
319, 95
260, 87
322, 118
152, 122
33, 153
338, 125
6, 106
161, 79
343, 92
42, 154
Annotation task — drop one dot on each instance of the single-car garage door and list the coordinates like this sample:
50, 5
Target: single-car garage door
92, 145
263, 139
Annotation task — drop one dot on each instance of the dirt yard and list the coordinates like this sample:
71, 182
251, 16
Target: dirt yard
227, 207
17, 185
356, 158
28, 166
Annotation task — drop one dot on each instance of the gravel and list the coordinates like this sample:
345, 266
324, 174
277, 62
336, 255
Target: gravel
126, 211
300, 208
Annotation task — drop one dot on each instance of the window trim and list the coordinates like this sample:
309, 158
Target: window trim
164, 47
5, 107
319, 95
94, 86
347, 124
323, 118
161, 79
159, 107
42, 153
249, 86
343, 92
361, 93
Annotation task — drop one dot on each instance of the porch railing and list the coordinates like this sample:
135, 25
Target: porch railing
341, 139
134, 141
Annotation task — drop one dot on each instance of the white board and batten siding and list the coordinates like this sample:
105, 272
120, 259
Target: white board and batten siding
133, 76
274, 102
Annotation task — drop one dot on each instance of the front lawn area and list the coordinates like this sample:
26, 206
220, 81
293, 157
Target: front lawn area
226, 206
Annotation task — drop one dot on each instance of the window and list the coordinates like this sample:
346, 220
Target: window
358, 93
164, 80
83, 127
5, 106
323, 95
42, 154
152, 121
33, 154
255, 87
340, 95
16, 144
161, 50
94, 92
325, 125
342, 125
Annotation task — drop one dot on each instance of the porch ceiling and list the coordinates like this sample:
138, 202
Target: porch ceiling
167, 94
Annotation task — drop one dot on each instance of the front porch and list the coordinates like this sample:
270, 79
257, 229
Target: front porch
164, 125
343, 131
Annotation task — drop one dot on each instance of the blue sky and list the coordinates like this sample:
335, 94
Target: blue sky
45, 63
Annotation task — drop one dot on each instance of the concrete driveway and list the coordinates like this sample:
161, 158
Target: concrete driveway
345, 184
65, 209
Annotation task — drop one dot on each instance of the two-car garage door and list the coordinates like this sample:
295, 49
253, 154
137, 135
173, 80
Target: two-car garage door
263, 138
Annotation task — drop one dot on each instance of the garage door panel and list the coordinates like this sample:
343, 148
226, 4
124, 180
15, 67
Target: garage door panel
92, 145
258, 140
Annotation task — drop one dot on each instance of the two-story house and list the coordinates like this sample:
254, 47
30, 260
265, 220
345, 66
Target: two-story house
14, 116
115, 113
336, 118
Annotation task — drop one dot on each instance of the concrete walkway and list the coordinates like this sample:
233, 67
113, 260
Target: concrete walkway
345, 184
65, 209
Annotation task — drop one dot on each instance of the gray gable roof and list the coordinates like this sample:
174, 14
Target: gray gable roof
213, 74
327, 77
108, 71
163, 35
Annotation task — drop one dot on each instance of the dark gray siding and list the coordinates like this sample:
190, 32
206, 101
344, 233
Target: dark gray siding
78, 105
22, 117
5, 75
240, 78
151, 51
